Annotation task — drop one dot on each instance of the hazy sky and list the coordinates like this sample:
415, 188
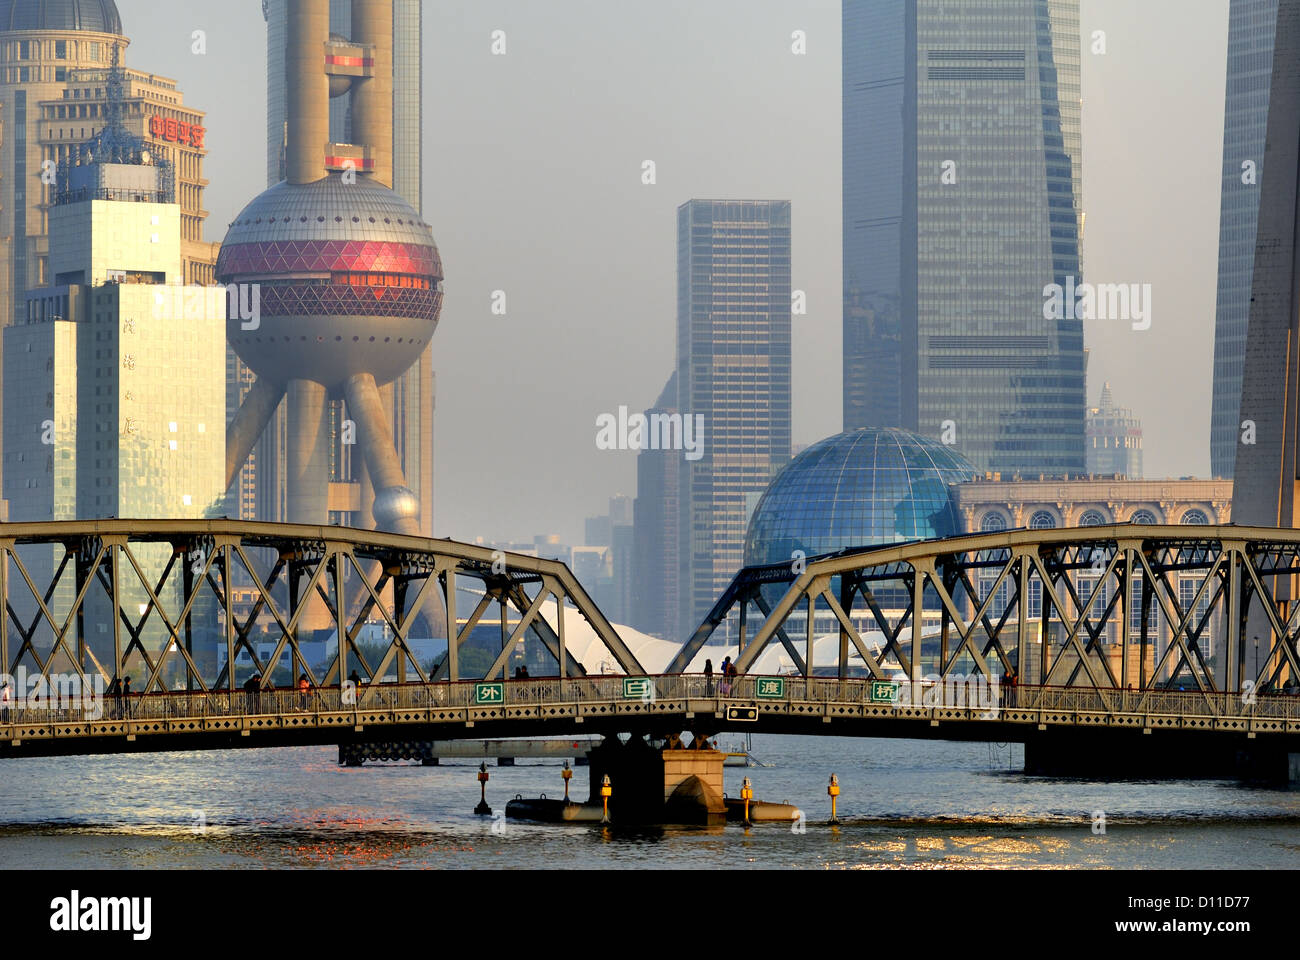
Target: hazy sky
532, 182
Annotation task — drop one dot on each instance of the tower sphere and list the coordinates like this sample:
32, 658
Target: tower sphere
347, 276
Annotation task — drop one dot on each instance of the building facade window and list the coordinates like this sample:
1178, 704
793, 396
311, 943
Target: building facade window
993, 522
1042, 520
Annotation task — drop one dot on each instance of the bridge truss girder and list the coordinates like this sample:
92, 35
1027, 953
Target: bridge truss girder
100, 571
1244, 582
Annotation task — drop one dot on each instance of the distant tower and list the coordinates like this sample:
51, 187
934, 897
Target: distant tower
1267, 470
409, 400
1114, 439
349, 276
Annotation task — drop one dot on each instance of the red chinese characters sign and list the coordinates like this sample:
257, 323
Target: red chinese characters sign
177, 131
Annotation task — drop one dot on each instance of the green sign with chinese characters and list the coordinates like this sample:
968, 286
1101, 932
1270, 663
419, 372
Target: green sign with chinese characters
772, 688
489, 693
638, 688
884, 691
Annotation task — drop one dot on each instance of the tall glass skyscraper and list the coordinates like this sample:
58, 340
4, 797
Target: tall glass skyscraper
1251, 25
733, 371
962, 201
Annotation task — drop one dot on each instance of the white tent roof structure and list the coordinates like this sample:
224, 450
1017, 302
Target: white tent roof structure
655, 655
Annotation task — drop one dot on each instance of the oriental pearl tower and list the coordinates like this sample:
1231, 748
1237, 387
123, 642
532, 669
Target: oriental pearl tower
349, 277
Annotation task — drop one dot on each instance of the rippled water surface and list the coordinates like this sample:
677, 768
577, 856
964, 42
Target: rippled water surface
904, 803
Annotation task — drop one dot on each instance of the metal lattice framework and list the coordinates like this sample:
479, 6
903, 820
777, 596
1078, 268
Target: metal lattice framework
1153, 591
145, 584
114, 143
100, 597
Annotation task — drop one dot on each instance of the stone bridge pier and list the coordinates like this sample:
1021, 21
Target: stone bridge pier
653, 785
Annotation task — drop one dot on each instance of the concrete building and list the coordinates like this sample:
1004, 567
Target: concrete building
58, 91
733, 377
655, 594
1114, 439
409, 401
1245, 117
113, 378
99, 427
991, 503
962, 204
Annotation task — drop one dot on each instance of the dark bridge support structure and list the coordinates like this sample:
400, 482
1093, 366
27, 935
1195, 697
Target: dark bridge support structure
1132, 755
88, 601
1123, 610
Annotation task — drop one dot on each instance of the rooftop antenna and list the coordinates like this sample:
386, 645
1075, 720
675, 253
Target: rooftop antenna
115, 143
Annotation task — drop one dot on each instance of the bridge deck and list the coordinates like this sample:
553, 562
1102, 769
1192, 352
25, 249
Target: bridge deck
611, 704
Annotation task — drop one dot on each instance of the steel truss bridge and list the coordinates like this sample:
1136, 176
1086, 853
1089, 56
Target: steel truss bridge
122, 597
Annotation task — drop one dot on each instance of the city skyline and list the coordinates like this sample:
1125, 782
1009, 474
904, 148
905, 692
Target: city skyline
489, 143
827, 393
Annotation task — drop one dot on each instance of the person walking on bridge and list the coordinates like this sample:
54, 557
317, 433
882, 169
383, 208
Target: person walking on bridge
6, 701
708, 677
252, 689
126, 694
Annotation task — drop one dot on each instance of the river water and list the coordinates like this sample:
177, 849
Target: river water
911, 804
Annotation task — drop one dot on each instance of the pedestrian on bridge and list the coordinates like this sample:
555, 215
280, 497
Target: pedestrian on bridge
708, 677
728, 671
304, 689
126, 693
115, 691
6, 701
252, 690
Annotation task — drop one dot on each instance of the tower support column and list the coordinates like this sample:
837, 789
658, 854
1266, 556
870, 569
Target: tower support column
307, 454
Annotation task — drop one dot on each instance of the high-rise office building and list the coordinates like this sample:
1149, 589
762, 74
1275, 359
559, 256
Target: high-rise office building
653, 593
56, 63
115, 393
97, 425
1267, 470
733, 382
409, 401
1114, 439
1245, 118
962, 203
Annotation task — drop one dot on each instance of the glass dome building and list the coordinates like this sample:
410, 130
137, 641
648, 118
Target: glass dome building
857, 489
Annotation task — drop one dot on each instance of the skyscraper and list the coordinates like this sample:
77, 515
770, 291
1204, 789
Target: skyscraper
1114, 439
113, 378
1267, 469
409, 401
733, 378
1245, 118
962, 202
654, 595
56, 60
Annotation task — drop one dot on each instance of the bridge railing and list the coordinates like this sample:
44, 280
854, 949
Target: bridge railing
619, 689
